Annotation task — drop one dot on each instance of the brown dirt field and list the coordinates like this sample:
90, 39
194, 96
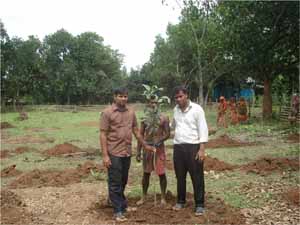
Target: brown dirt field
90, 124
13, 210
292, 196
5, 125
216, 165
217, 212
209, 164
10, 171
27, 139
294, 138
4, 154
62, 149
267, 165
38, 178
225, 141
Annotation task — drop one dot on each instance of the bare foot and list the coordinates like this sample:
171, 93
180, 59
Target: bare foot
163, 201
140, 202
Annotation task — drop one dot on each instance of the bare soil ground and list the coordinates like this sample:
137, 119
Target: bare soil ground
5, 125
10, 171
264, 166
225, 141
62, 149
209, 164
4, 154
292, 196
294, 138
86, 204
38, 178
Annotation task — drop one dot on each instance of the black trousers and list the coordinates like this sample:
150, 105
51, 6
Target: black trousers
184, 161
117, 180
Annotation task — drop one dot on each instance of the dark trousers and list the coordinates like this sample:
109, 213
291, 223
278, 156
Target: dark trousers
117, 180
184, 161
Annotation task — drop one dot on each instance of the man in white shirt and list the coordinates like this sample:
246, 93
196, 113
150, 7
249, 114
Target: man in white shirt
191, 134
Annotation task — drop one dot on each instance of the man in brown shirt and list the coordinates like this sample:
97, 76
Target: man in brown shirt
150, 164
117, 124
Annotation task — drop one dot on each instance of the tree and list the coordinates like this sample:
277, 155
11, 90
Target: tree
265, 37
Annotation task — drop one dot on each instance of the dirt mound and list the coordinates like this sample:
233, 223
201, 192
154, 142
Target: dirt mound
13, 209
216, 165
267, 165
5, 125
62, 149
38, 178
209, 164
225, 141
217, 212
295, 138
10, 171
4, 154
292, 195
27, 139
22, 149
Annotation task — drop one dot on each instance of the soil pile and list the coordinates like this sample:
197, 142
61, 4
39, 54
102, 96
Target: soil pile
22, 149
209, 164
267, 165
292, 196
5, 125
295, 138
217, 212
225, 141
62, 149
38, 178
10, 171
4, 154
216, 165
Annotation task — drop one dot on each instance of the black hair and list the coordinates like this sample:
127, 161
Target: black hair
179, 89
120, 91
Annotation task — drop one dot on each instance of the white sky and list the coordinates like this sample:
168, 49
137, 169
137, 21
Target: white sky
127, 25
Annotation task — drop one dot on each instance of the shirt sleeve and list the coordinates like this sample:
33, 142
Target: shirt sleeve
104, 121
202, 127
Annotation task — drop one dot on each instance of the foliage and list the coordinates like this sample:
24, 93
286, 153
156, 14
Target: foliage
152, 115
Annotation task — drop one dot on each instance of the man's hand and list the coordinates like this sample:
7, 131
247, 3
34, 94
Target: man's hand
138, 157
201, 153
106, 161
150, 148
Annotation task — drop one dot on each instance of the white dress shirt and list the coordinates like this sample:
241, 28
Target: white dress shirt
190, 126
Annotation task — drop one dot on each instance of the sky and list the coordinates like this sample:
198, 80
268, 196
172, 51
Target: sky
127, 25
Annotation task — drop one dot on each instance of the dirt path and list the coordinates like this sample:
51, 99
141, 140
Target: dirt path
66, 205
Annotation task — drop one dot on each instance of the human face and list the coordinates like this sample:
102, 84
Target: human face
181, 99
152, 104
121, 99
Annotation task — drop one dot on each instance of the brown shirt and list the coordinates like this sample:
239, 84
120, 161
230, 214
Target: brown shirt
119, 125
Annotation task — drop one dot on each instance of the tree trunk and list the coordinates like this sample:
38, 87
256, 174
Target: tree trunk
267, 100
200, 80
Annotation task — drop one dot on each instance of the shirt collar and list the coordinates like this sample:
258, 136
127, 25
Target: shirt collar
116, 108
190, 103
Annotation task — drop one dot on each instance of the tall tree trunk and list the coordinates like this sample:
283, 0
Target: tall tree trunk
267, 100
200, 87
